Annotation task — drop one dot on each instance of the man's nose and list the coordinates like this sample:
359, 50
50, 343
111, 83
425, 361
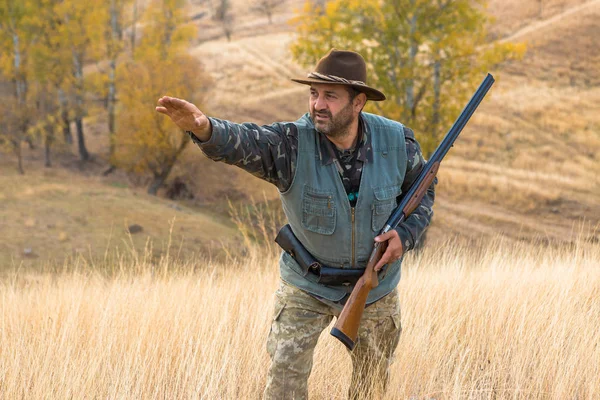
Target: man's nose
320, 104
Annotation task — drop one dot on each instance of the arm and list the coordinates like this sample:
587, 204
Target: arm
267, 152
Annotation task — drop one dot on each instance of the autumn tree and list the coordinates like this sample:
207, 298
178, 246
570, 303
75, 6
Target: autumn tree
426, 56
81, 35
15, 41
115, 17
52, 72
146, 142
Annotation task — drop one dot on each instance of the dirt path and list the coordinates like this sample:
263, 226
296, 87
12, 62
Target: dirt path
547, 22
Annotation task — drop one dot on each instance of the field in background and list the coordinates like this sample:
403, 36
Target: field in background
500, 321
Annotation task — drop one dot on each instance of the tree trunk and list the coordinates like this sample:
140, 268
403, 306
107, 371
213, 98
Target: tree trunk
437, 83
78, 64
112, 51
83, 153
21, 84
17, 148
111, 109
159, 179
133, 24
410, 83
47, 144
66, 124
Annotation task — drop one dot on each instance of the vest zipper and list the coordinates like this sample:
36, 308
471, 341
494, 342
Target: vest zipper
353, 256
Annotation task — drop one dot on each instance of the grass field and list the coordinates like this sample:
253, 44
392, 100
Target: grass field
501, 321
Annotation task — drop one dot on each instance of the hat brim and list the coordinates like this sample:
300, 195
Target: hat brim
372, 94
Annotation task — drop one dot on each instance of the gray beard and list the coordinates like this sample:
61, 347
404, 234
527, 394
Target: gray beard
338, 129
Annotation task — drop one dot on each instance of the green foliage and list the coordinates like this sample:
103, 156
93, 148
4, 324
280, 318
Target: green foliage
426, 56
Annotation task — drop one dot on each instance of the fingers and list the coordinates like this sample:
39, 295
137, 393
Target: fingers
386, 236
393, 251
385, 258
173, 102
162, 110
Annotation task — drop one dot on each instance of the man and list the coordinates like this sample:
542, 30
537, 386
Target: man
339, 172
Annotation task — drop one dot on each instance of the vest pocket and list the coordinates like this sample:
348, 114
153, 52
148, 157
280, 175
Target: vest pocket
318, 211
384, 204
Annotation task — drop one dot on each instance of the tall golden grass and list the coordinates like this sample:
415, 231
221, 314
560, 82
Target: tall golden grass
496, 321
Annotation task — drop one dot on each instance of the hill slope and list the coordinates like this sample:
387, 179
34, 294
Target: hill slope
46, 215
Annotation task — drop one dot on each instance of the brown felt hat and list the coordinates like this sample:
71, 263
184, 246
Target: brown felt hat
341, 67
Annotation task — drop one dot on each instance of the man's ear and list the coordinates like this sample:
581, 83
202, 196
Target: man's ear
359, 101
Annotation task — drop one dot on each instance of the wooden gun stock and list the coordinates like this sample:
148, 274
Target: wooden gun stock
346, 326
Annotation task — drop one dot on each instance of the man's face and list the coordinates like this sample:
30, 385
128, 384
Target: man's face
331, 109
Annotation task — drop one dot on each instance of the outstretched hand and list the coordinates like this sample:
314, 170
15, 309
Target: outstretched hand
186, 116
394, 249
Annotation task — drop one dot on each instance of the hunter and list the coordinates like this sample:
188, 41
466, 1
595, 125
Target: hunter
339, 172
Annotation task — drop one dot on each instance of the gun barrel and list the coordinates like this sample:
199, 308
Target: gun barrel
416, 191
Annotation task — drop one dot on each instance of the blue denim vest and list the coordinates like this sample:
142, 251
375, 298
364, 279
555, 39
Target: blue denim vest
318, 210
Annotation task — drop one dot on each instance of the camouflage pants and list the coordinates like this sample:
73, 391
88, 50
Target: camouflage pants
299, 319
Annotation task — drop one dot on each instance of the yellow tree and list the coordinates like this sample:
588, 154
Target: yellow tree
115, 19
426, 56
80, 32
15, 41
51, 69
145, 142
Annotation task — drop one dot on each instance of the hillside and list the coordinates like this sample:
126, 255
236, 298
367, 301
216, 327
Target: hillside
53, 214
526, 167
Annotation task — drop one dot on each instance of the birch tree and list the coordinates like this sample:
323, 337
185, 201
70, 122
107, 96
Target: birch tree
81, 32
15, 40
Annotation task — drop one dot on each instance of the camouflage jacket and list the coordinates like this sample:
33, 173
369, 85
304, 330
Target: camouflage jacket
269, 152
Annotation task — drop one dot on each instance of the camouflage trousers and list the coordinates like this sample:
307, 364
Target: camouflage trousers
299, 319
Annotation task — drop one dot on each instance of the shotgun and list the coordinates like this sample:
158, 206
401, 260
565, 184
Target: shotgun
346, 326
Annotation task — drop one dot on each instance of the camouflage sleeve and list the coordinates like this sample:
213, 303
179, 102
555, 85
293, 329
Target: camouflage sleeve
411, 230
268, 152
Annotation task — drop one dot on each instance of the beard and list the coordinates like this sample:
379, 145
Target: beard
335, 126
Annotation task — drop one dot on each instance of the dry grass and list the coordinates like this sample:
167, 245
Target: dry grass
56, 213
499, 321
